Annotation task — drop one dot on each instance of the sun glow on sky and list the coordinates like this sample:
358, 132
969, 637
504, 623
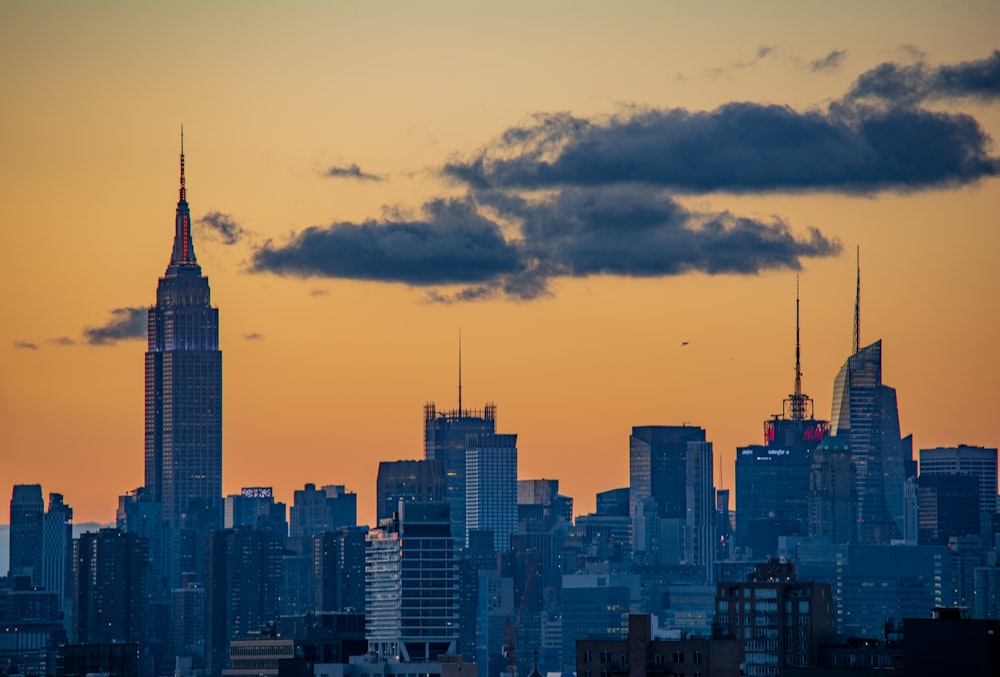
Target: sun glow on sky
550, 141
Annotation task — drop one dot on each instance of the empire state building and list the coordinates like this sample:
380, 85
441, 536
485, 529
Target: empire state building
184, 388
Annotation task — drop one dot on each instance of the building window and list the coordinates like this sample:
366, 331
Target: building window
586, 656
678, 657
697, 658
658, 661
623, 660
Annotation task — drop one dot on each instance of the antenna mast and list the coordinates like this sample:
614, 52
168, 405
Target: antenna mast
857, 308
460, 372
183, 188
798, 406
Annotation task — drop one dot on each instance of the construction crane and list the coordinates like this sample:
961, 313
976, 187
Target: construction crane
510, 630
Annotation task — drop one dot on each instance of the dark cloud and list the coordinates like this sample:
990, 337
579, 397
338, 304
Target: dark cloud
830, 62
352, 171
125, 324
253, 336
452, 243
25, 345
635, 231
62, 341
913, 83
739, 148
223, 227
628, 230
763, 52
319, 292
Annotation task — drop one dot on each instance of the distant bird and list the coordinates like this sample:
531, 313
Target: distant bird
684, 343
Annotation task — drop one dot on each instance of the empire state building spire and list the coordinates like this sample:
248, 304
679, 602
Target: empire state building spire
183, 252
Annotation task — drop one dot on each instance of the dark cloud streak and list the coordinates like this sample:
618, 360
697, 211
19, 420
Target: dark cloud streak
223, 227
914, 83
830, 62
352, 171
739, 148
125, 324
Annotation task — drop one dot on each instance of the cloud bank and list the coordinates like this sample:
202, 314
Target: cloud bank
567, 196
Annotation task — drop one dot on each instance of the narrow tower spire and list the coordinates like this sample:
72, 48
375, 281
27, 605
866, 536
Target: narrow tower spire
183, 188
857, 308
460, 372
183, 251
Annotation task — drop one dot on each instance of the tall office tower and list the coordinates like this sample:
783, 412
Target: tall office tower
27, 511
242, 577
658, 490
325, 509
491, 486
540, 500
613, 502
699, 527
658, 467
184, 388
865, 413
110, 587
256, 508
411, 585
408, 481
832, 491
57, 549
947, 507
445, 435
772, 479
980, 462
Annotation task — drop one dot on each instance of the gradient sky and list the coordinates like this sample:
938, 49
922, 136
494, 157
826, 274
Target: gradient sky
580, 188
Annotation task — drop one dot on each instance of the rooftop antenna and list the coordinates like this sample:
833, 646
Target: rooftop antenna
857, 308
460, 372
798, 406
183, 188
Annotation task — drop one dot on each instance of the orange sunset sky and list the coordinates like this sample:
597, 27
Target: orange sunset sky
579, 188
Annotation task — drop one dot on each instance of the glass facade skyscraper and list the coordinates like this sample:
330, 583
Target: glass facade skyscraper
184, 388
866, 414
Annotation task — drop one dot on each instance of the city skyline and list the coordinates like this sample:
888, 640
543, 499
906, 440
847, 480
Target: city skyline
321, 128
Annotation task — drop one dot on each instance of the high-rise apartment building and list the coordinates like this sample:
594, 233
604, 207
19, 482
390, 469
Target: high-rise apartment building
445, 437
397, 481
832, 491
184, 387
411, 585
491, 486
27, 512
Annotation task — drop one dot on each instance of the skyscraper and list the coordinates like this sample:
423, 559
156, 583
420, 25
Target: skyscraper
980, 462
184, 387
491, 486
57, 549
445, 436
866, 414
411, 585
27, 510
110, 587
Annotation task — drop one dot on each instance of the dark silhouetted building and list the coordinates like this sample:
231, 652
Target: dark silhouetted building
780, 622
948, 644
445, 437
325, 509
647, 651
980, 462
112, 660
242, 577
947, 507
613, 502
110, 587
339, 570
27, 512
256, 508
832, 491
57, 550
397, 481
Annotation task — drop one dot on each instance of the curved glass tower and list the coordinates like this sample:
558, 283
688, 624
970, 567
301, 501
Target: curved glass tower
184, 388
